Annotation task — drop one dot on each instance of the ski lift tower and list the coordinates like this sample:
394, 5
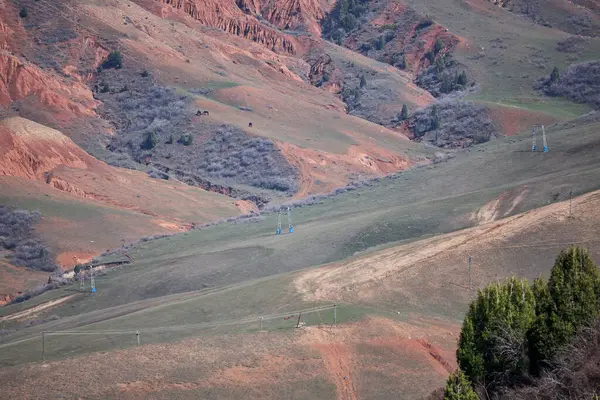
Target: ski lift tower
534, 134
544, 139
278, 230
289, 215
92, 280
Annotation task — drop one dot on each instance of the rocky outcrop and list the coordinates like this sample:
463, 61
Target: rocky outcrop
295, 14
323, 72
65, 186
31, 150
232, 16
19, 79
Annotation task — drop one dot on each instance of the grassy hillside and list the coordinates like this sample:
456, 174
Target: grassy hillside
507, 53
398, 307
415, 204
392, 255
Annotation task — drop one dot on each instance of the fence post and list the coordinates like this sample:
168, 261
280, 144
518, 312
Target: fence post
137, 334
261, 324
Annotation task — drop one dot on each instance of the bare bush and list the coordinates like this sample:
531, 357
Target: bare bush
150, 117
574, 373
579, 83
444, 76
232, 155
57, 281
453, 124
17, 234
572, 44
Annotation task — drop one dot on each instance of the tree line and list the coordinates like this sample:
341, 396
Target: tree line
513, 330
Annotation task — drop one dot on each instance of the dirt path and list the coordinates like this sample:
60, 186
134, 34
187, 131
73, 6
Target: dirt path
36, 309
337, 362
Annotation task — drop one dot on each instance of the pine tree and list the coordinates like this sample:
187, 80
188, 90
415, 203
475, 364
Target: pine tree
492, 345
462, 79
458, 387
435, 120
114, 60
447, 85
555, 75
570, 301
404, 113
363, 81
402, 62
149, 142
438, 46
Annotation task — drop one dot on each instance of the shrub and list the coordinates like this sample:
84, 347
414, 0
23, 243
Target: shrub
579, 83
424, 23
401, 62
458, 387
512, 332
438, 46
430, 56
23, 12
404, 113
555, 75
149, 142
105, 88
186, 139
154, 111
575, 372
363, 81
365, 47
572, 44
114, 60
568, 302
380, 42
462, 79
492, 349
443, 77
145, 73
389, 36
343, 18
17, 234
235, 156
56, 282
452, 124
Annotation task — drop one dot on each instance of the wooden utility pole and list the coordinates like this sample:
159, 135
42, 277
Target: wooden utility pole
570, 203
470, 267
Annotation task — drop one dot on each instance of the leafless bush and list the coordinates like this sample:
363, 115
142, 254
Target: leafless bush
453, 124
224, 153
17, 234
575, 372
572, 44
57, 281
579, 83
232, 155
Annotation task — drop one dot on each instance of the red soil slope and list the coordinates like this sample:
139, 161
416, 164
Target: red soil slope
32, 152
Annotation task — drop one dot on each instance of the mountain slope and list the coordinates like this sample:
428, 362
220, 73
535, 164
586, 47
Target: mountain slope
56, 172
